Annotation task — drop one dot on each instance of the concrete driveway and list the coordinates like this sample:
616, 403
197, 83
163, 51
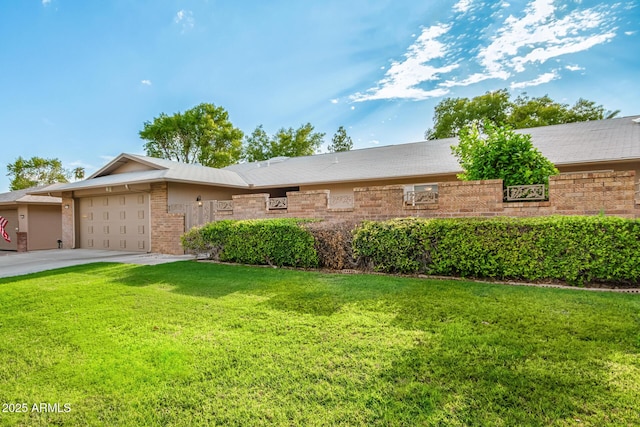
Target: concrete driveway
15, 264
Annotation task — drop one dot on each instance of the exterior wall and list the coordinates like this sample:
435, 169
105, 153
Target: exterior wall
592, 193
619, 166
347, 188
131, 166
187, 193
166, 227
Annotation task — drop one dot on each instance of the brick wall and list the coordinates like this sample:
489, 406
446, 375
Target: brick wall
22, 241
166, 228
608, 193
68, 234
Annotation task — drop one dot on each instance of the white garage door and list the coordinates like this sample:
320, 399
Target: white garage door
11, 215
119, 222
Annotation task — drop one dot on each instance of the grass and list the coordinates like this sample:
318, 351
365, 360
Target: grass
204, 344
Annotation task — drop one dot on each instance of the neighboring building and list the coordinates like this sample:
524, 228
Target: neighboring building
36, 218
141, 203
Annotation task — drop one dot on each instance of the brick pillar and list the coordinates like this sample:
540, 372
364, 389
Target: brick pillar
378, 203
68, 207
166, 228
308, 204
22, 241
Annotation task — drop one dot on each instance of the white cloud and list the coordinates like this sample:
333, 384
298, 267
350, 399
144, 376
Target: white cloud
403, 78
574, 68
46, 2
541, 79
629, 33
184, 18
146, 82
459, 53
462, 6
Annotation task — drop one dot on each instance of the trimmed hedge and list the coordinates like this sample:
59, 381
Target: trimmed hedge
277, 242
576, 250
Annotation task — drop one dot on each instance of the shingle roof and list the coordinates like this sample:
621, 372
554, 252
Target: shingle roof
574, 143
393, 161
589, 142
585, 142
23, 196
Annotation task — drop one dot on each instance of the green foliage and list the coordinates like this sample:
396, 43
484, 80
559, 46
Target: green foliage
277, 242
26, 173
340, 141
393, 246
576, 250
202, 135
501, 154
285, 143
451, 115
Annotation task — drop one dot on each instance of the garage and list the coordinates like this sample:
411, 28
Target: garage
117, 222
11, 215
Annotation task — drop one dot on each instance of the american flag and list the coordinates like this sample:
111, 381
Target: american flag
3, 224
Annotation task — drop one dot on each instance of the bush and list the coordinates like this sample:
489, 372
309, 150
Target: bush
208, 240
333, 243
501, 154
575, 250
270, 241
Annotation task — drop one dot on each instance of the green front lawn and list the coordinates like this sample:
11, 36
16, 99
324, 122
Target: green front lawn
204, 344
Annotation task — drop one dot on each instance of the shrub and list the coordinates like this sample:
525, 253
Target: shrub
333, 243
269, 241
208, 240
501, 154
397, 245
576, 250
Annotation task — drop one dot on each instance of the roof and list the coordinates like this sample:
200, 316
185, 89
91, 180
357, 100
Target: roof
23, 196
567, 144
161, 170
573, 143
387, 162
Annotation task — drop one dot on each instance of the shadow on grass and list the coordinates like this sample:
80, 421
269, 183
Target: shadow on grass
304, 292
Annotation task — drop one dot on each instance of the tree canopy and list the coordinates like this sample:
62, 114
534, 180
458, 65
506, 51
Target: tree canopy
501, 154
340, 141
286, 142
202, 135
453, 114
26, 173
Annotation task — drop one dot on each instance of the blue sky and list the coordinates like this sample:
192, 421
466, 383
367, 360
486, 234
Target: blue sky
79, 78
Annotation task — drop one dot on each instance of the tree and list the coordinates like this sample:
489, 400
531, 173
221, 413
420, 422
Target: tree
452, 114
286, 142
78, 173
35, 171
501, 154
202, 135
340, 141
